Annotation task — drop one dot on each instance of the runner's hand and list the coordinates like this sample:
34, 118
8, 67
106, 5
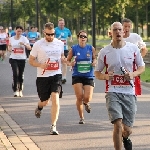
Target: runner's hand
21, 43
63, 59
72, 63
43, 66
129, 76
94, 63
110, 75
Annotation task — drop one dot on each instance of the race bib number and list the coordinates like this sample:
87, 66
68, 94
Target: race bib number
83, 66
3, 41
32, 41
119, 80
18, 50
64, 41
53, 66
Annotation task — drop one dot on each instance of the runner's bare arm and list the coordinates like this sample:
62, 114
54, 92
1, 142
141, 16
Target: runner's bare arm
139, 71
101, 76
144, 51
93, 57
33, 62
26, 45
70, 55
63, 58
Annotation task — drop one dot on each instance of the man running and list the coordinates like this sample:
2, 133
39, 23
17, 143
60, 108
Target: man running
62, 33
118, 60
137, 40
47, 55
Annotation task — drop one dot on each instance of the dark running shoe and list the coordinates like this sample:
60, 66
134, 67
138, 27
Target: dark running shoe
37, 113
127, 143
81, 121
87, 107
63, 81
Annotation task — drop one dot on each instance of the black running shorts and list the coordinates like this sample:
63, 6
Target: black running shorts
3, 47
83, 80
47, 85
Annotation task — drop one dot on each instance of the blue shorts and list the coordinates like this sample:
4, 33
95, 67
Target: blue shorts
121, 106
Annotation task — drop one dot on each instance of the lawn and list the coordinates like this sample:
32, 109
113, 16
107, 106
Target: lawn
145, 77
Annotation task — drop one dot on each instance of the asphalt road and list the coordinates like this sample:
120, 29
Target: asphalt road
95, 134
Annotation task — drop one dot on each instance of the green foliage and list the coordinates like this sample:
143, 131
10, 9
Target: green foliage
73, 12
145, 77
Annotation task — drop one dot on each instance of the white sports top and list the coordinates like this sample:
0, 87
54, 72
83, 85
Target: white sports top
18, 51
50, 53
115, 59
135, 39
3, 37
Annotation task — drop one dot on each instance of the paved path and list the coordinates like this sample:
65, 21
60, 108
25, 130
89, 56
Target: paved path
21, 130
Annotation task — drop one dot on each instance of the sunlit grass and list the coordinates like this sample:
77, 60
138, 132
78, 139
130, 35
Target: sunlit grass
146, 75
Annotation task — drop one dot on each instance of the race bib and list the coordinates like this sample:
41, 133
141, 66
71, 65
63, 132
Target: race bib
53, 66
18, 50
32, 41
64, 41
3, 41
84, 66
119, 80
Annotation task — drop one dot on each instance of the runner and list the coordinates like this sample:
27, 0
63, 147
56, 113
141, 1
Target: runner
47, 55
62, 33
17, 45
137, 40
82, 58
32, 37
3, 43
117, 59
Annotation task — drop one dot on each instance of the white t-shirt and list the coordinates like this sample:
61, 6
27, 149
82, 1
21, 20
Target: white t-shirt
18, 51
50, 53
3, 37
115, 59
135, 39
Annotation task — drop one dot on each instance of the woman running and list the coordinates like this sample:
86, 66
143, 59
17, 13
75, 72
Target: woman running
82, 59
17, 45
3, 44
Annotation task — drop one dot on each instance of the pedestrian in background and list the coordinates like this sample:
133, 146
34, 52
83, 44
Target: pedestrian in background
62, 33
32, 37
3, 43
137, 40
82, 59
17, 59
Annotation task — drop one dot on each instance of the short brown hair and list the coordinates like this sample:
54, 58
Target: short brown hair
49, 26
126, 20
61, 19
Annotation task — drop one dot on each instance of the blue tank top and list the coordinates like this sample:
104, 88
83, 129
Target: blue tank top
83, 58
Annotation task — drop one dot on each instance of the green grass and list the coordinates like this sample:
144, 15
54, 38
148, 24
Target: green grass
145, 77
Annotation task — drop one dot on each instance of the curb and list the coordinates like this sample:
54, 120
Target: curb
12, 136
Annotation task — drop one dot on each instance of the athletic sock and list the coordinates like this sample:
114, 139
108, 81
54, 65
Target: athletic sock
39, 108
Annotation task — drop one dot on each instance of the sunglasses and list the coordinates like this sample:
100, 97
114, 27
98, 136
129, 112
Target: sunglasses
48, 34
82, 36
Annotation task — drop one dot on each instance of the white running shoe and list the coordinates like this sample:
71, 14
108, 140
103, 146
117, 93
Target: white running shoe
53, 130
20, 94
16, 94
